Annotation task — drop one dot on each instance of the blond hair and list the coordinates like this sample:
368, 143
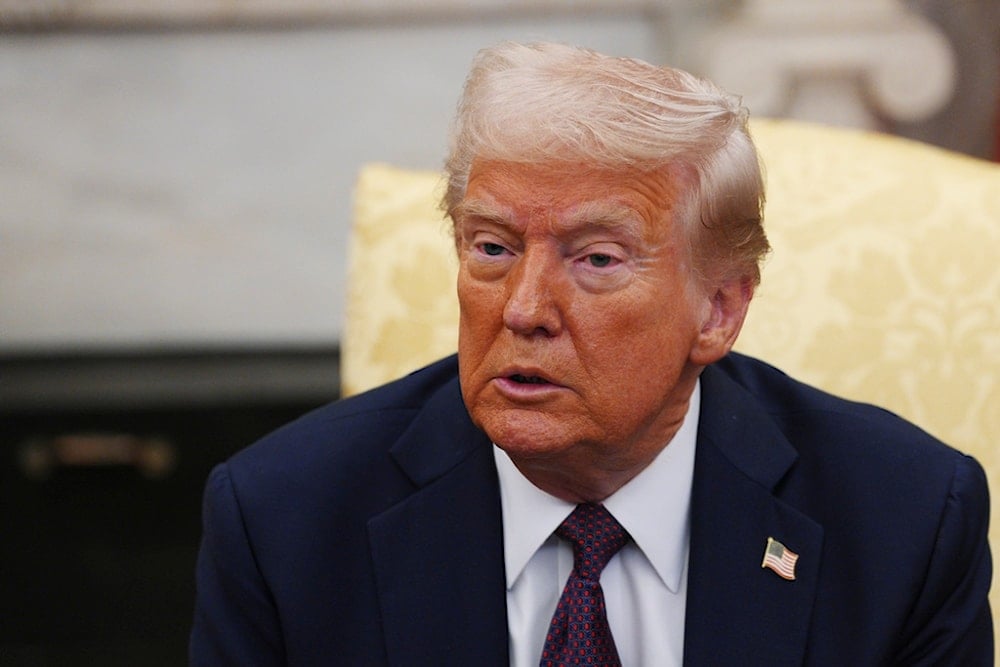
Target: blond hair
550, 102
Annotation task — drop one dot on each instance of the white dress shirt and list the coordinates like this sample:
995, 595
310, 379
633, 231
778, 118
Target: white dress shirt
645, 584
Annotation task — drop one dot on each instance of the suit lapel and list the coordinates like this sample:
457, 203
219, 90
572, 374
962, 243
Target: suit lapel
737, 611
438, 555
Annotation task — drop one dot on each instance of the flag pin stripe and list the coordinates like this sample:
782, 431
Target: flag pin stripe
780, 559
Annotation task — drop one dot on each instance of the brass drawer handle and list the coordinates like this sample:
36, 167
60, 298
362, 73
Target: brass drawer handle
153, 457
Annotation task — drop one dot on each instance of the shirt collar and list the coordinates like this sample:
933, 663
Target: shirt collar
653, 507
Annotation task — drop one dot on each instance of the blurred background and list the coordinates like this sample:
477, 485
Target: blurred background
175, 203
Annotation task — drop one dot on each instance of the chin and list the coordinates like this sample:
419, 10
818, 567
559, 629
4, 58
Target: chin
526, 434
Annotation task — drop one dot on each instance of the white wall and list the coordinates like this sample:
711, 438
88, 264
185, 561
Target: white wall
178, 187
182, 187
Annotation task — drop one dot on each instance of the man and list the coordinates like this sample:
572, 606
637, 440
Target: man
596, 474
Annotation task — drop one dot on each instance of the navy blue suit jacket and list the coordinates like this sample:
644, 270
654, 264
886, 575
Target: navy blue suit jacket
369, 533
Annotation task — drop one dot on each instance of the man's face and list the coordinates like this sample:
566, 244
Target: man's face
580, 317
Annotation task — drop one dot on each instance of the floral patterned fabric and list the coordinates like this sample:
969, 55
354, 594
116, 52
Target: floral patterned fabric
883, 286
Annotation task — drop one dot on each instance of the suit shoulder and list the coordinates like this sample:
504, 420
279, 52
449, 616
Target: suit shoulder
347, 430
782, 395
858, 469
811, 415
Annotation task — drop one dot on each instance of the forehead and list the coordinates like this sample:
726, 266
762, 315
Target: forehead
567, 194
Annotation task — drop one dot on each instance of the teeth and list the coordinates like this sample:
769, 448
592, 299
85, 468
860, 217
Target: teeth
534, 379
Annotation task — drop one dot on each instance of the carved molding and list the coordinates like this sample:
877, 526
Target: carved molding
849, 63
21, 14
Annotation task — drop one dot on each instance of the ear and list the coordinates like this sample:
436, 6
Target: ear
727, 308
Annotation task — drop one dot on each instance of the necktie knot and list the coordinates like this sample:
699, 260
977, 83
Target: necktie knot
579, 633
595, 535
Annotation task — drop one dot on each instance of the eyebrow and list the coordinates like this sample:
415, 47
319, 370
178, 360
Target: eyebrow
604, 214
477, 208
588, 215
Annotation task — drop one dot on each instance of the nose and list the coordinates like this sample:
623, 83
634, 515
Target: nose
532, 308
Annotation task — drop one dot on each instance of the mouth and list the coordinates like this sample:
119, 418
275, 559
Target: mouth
526, 384
528, 379
525, 380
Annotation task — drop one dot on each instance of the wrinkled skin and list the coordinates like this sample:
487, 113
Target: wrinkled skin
583, 325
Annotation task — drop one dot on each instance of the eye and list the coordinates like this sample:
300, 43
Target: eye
599, 260
492, 249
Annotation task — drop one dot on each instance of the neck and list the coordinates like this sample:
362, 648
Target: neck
581, 477
593, 470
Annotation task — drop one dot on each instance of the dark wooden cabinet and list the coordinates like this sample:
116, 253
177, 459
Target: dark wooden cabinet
101, 479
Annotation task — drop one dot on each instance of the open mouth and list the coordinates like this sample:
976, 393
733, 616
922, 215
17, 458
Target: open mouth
528, 379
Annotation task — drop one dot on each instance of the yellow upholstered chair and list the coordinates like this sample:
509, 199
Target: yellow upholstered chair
883, 286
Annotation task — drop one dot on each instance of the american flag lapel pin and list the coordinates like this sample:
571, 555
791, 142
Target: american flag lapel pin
780, 559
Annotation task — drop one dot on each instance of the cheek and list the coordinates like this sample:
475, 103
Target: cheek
631, 317
480, 317
477, 303
642, 340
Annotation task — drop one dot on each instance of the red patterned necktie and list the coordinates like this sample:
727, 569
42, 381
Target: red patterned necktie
579, 633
